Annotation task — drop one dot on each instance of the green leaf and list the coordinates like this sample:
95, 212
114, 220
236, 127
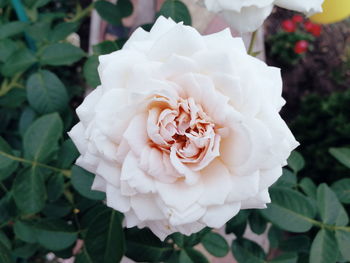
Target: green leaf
55, 187
83, 257
342, 155
324, 248
285, 258
5, 240
289, 210
90, 71
331, 210
7, 165
105, 239
18, 62
296, 161
55, 235
238, 223
275, 236
8, 208
342, 190
67, 154
27, 117
298, 243
24, 230
5, 254
36, 3
308, 187
11, 29
125, 7
109, 12
190, 255
82, 181
25, 250
196, 238
257, 223
62, 31
40, 140
29, 191
59, 54
143, 246
343, 241
105, 47
288, 179
246, 251
7, 48
57, 209
215, 244
176, 10
46, 93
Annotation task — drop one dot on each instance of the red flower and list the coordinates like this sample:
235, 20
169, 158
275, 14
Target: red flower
297, 19
312, 28
288, 26
301, 46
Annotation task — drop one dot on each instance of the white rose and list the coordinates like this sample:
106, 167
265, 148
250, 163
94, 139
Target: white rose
249, 15
184, 130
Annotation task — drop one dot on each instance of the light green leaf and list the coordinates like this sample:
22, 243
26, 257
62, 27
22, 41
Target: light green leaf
82, 181
41, 138
342, 190
176, 10
324, 248
289, 210
18, 62
105, 238
246, 251
342, 155
59, 54
331, 210
296, 161
288, 179
215, 244
11, 29
343, 240
46, 93
29, 191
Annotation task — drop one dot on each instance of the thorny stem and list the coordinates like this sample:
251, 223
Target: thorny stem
65, 172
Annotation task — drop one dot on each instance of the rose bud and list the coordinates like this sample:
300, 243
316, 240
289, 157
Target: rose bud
288, 26
184, 130
301, 46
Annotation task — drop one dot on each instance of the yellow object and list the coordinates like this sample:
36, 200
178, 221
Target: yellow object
333, 11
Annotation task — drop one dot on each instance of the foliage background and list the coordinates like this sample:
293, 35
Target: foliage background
46, 204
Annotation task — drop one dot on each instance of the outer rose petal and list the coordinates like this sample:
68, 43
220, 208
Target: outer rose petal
309, 7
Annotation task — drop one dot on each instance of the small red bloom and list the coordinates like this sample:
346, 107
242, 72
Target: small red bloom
301, 46
312, 28
316, 30
288, 26
297, 19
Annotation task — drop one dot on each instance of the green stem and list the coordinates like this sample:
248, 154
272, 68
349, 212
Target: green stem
252, 42
81, 14
329, 227
34, 163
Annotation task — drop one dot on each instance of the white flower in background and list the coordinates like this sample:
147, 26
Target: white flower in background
249, 15
184, 130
